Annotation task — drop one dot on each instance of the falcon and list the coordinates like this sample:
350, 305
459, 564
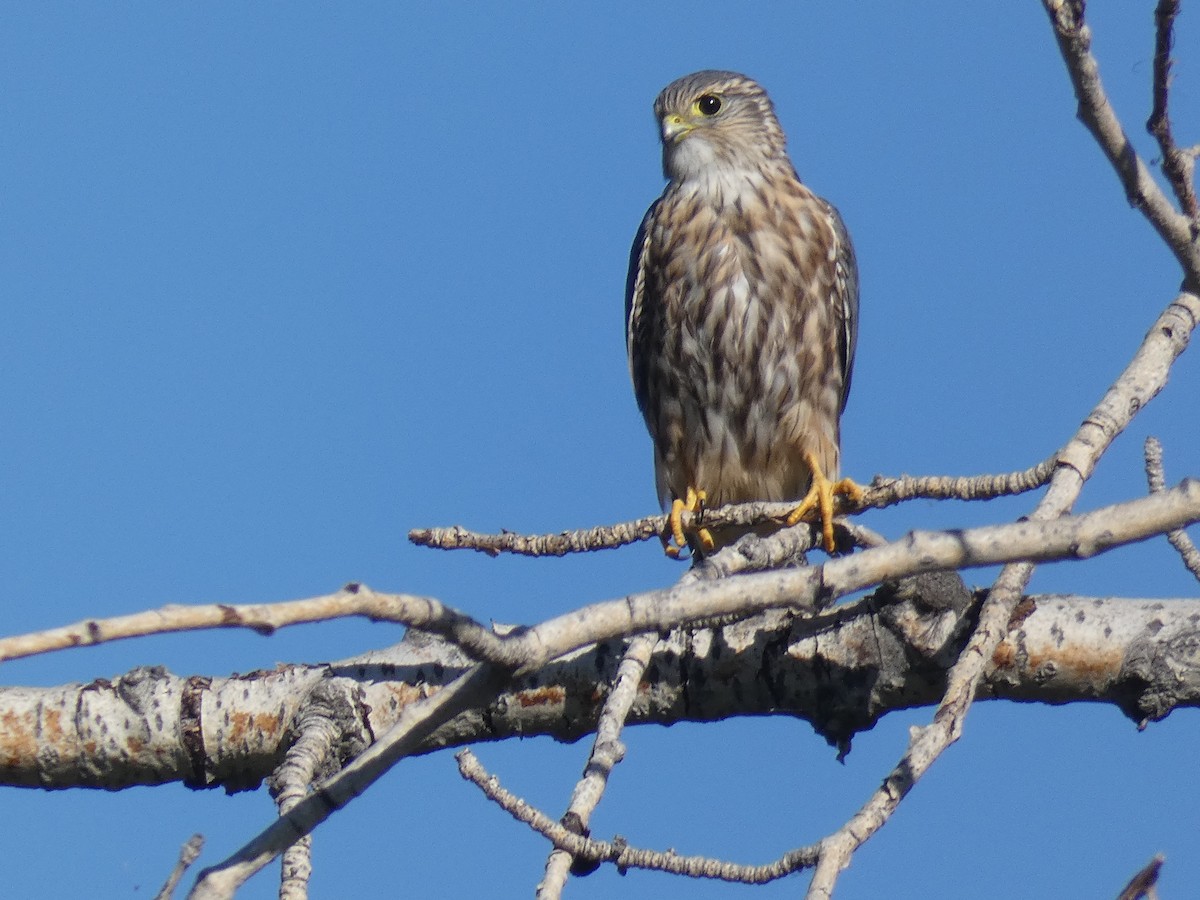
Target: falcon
741, 315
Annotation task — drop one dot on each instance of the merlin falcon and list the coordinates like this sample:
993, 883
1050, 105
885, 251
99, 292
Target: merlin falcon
741, 314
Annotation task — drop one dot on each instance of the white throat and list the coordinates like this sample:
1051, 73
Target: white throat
697, 169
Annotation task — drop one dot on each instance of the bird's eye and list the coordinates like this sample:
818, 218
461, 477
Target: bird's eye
709, 105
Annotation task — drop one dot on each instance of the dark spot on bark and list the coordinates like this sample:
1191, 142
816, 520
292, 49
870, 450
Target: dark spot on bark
191, 703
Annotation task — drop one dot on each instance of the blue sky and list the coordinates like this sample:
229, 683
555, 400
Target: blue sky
281, 282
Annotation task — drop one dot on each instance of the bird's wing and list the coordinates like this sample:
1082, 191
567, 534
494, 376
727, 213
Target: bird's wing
846, 299
636, 304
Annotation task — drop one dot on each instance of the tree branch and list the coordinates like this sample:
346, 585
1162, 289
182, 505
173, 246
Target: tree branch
188, 854
1178, 165
1178, 537
812, 589
528, 651
1096, 113
1141, 381
841, 671
264, 618
618, 851
532, 649
352, 600
1143, 884
414, 726
882, 492
325, 735
607, 751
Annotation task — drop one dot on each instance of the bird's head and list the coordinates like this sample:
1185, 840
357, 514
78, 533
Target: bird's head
716, 120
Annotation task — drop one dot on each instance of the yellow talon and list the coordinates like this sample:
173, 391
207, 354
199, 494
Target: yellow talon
820, 496
694, 503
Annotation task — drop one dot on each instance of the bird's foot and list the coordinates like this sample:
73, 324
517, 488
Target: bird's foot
694, 503
820, 497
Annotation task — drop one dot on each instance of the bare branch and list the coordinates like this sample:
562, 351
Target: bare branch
607, 751
265, 618
810, 588
599, 538
814, 588
1141, 381
619, 852
882, 492
927, 743
1133, 654
1143, 884
1074, 41
321, 733
1178, 537
188, 854
64, 722
1178, 165
890, 491
751, 553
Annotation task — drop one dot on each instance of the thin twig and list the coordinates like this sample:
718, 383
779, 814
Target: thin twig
890, 491
1178, 165
188, 854
602, 537
1142, 885
618, 851
882, 492
1157, 479
607, 751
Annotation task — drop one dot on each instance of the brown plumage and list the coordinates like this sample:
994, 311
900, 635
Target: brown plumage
741, 308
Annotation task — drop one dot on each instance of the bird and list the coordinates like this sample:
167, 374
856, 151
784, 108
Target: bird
741, 316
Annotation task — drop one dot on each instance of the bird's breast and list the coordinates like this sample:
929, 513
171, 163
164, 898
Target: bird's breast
744, 314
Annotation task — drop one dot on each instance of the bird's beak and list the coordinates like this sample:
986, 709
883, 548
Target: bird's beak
674, 128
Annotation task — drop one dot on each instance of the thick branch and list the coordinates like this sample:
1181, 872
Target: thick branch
206, 744
814, 588
841, 671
